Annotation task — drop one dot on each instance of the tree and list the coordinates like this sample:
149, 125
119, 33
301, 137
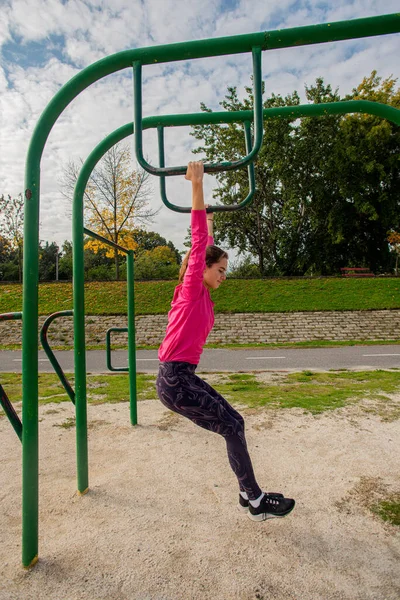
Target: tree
158, 263
116, 200
65, 262
274, 226
327, 187
368, 176
12, 225
47, 261
149, 240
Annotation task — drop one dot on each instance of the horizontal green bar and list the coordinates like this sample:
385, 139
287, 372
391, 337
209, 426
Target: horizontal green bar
104, 240
285, 112
11, 316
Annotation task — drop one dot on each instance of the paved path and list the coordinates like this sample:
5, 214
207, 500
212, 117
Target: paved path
345, 357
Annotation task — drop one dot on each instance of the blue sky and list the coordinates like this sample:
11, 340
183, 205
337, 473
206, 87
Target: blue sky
43, 43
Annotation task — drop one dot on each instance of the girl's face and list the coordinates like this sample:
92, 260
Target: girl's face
216, 274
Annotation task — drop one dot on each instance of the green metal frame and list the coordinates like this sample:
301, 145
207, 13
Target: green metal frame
298, 36
108, 348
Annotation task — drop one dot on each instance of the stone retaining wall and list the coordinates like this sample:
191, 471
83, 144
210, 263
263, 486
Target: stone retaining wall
232, 328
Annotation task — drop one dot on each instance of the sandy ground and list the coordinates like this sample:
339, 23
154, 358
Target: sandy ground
160, 521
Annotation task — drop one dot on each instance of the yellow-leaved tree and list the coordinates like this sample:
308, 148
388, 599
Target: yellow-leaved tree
116, 200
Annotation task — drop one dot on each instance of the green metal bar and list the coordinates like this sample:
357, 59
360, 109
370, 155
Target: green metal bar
79, 338
104, 240
11, 316
53, 360
187, 209
131, 337
30, 363
268, 40
208, 167
10, 412
284, 112
4, 400
108, 349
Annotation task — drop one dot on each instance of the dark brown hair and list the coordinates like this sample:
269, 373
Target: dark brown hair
213, 255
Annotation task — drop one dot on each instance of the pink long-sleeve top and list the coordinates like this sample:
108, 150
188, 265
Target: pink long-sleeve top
191, 317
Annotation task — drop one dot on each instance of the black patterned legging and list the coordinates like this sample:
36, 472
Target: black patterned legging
182, 391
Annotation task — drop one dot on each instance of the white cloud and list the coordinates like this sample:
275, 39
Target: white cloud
92, 30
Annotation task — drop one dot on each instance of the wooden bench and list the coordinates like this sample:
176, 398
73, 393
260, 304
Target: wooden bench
356, 272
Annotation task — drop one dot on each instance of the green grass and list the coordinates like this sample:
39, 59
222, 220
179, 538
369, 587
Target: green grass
388, 510
315, 392
101, 388
309, 391
268, 295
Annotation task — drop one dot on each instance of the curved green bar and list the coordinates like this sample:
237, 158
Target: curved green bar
108, 349
208, 167
298, 36
222, 208
52, 358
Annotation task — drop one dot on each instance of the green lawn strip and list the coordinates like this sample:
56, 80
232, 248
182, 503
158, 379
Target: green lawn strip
100, 388
313, 392
235, 296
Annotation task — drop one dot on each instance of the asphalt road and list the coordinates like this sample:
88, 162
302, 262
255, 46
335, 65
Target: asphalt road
280, 359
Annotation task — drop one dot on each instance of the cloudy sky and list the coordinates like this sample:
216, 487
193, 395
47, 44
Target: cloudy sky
46, 42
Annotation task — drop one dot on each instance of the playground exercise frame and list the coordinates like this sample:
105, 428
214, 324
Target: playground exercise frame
255, 43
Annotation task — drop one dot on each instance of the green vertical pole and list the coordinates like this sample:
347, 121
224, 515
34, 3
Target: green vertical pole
131, 337
79, 341
30, 368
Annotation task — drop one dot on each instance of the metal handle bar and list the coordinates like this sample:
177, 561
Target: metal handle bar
108, 349
52, 358
224, 208
208, 168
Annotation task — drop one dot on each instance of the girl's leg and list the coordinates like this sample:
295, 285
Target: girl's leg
236, 445
180, 390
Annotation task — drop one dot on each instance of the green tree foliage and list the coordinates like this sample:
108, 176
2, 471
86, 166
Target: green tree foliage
158, 263
48, 254
326, 187
11, 229
368, 159
148, 240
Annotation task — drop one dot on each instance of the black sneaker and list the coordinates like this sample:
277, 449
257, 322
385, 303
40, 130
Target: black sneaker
243, 505
270, 508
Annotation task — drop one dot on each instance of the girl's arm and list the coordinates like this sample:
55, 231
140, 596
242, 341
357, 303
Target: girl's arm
195, 174
193, 280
